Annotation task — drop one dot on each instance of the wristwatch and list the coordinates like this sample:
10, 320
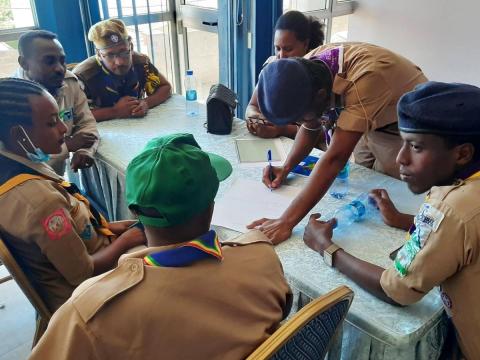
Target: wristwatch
328, 254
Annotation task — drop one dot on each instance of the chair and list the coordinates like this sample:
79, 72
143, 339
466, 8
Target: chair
309, 333
43, 314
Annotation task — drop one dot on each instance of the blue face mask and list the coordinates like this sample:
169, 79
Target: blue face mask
38, 156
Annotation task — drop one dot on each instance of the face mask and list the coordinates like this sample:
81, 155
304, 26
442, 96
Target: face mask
38, 156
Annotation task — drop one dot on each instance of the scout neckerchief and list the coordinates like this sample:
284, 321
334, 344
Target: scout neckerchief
471, 172
14, 173
152, 80
414, 242
333, 59
204, 247
97, 219
117, 87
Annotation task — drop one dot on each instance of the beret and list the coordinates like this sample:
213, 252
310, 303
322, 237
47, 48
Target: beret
440, 108
284, 91
108, 33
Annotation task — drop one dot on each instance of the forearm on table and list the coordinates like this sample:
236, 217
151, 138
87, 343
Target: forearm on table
305, 141
106, 258
404, 221
252, 111
159, 96
105, 113
289, 130
365, 274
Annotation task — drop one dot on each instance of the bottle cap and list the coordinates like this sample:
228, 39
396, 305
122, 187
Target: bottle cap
189, 72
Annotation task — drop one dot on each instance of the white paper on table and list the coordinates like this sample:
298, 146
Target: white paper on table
248, 200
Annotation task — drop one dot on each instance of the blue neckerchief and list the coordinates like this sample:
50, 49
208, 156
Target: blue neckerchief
206, 246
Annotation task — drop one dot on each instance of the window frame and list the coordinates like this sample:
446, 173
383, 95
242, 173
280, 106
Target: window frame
14, 34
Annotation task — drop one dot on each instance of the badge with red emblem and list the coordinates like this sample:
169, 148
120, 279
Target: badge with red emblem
57, 224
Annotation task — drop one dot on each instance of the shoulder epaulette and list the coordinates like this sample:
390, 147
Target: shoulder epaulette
87, 69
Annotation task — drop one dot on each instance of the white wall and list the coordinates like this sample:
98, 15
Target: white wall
441, 36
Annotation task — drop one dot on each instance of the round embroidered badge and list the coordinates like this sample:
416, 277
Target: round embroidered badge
57, 224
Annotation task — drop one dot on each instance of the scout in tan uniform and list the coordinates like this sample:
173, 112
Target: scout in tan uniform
42, 59
119, 82
440, 127
52, 231
295, 35
186, 296
360, 84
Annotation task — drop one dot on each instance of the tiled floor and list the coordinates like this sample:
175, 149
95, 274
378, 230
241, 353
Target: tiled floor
17, 321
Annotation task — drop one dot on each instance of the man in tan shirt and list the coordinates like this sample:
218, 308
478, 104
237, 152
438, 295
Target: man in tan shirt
348, 89
186, 296
440, 127
42, 59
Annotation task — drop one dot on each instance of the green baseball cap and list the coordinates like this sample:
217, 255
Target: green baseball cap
175, 178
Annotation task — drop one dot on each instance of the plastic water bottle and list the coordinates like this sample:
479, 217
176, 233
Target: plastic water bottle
355, 211
339, 188
191, 106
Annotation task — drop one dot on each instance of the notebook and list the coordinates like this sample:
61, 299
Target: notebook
255, 150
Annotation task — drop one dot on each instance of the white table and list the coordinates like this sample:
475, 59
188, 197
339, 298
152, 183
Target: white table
374, 329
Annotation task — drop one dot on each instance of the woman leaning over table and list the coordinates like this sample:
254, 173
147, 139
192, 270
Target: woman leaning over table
351, 89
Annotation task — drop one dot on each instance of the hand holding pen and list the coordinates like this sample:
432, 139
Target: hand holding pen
271, 176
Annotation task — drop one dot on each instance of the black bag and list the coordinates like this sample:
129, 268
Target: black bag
221, 104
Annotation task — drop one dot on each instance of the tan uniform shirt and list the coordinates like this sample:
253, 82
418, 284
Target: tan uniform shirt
371, 81
49, 232
73, 105
208, 310
448, 234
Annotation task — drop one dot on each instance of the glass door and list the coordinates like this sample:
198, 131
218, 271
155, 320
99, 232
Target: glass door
197, 26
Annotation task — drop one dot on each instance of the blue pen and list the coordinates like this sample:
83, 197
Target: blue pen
270, 168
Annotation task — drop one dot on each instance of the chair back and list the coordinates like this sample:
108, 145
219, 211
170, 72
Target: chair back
17, 273
308, 334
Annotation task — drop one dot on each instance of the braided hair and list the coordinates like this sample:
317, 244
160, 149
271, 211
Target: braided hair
304, 27
15, 108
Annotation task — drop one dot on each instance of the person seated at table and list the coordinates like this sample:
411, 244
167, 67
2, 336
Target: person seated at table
295, 35
440, 127
118, 81
42, 59
56, 236
351, 89
197, 298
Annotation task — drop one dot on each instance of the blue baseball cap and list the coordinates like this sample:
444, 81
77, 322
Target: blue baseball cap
284, 91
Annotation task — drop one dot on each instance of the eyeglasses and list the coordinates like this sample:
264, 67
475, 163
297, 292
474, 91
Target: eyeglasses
121, 55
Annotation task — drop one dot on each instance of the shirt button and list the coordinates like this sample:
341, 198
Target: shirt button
134, 267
